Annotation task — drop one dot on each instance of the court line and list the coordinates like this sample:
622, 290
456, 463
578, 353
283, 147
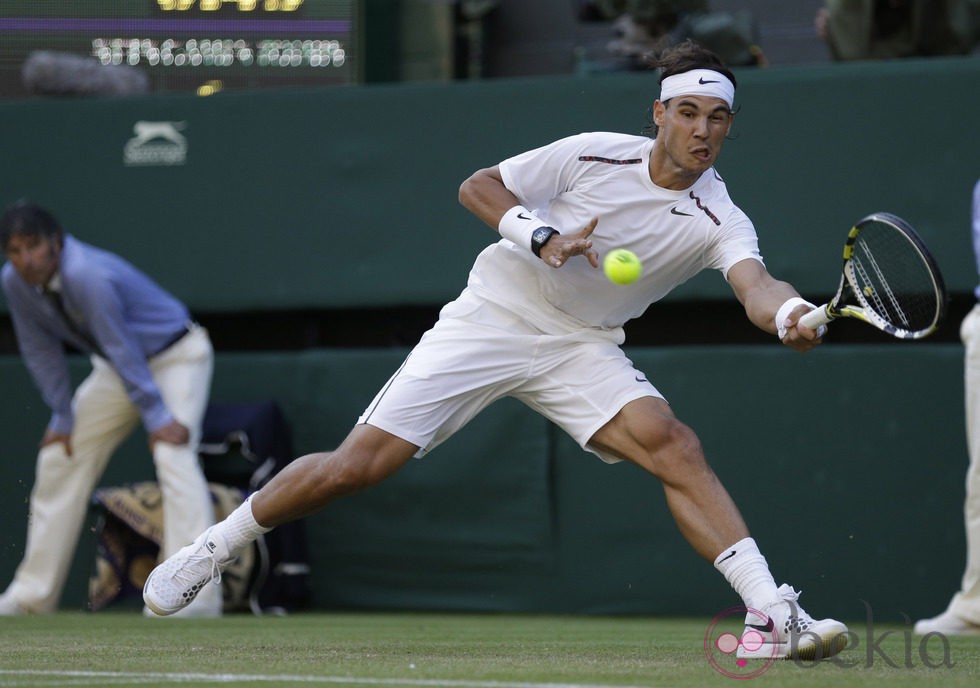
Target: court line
176, 677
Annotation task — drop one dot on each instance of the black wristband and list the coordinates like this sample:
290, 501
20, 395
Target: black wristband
540, 237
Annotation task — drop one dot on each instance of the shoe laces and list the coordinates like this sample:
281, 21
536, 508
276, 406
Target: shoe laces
185, 575
798, 621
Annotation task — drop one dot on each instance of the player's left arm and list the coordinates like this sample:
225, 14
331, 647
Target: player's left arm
485, 195
762, 296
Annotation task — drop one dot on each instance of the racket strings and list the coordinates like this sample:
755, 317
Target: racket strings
893, 279
874, 295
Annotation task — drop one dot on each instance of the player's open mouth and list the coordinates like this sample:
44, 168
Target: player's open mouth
702, 154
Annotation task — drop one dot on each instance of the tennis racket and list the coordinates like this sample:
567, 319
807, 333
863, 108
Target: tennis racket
890, 281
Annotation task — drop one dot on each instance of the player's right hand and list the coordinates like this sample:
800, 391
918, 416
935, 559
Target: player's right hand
799, 337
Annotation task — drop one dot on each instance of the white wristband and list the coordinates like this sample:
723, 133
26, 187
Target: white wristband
784, 312
518, 224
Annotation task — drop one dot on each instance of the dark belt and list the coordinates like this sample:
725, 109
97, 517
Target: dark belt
188, 326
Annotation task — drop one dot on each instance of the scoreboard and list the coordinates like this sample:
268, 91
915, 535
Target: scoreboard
199, 46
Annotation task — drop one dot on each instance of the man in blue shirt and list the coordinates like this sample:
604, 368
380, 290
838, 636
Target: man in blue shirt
150, 363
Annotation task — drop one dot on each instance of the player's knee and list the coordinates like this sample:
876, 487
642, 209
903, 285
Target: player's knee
685, 446
344, 473
677, 454
337, 476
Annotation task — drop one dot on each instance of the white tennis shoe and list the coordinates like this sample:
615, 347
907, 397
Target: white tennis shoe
175, 583
784, 631
10, 607
946, 623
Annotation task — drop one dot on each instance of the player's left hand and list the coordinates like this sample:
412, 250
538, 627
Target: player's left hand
171, 433
561, 247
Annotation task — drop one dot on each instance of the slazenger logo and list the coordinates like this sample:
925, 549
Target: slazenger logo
156, 144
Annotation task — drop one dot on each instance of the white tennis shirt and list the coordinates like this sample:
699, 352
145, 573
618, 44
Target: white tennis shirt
676, 234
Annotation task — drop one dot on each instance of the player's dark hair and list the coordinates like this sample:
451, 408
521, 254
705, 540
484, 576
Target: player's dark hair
680, 58
689, 55
24, 218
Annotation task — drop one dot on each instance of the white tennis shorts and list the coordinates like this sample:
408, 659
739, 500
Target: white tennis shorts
479, 352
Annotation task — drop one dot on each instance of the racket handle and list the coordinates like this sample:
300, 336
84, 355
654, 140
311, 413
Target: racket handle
815, 318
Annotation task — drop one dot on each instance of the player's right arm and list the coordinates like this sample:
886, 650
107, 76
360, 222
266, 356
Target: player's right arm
762, 296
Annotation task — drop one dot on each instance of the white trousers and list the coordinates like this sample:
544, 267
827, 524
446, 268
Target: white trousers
104, 417
966, 602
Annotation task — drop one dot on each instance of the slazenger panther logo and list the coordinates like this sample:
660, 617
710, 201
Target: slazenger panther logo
156, 144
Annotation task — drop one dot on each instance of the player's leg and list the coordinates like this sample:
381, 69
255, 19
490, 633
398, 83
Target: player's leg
450, 376
366, 457
62, 491
646, 432
459, 367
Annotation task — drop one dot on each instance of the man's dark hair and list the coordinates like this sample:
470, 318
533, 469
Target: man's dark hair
680, 58
689, 55
24, 218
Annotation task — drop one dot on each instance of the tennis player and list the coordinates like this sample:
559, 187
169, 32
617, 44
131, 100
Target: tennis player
538, 321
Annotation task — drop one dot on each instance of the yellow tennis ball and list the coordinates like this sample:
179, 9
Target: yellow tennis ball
622, 266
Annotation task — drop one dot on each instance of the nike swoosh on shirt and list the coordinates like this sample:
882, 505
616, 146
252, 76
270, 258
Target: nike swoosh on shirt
675, 211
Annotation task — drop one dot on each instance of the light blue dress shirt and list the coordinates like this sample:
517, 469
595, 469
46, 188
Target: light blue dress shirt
128, 315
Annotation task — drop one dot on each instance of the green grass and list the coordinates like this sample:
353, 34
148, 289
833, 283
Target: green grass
427, 650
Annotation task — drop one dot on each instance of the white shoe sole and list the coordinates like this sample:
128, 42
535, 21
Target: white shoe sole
809, 648
152, 607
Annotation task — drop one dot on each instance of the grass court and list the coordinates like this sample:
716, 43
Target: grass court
424, 650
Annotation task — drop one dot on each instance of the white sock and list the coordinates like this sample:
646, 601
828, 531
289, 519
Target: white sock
240, 528
744, 567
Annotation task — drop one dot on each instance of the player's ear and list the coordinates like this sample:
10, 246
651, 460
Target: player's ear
659, 111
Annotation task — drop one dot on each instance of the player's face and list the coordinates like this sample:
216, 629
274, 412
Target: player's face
692, 132
35, 258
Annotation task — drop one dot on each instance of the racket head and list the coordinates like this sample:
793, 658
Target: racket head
892, 280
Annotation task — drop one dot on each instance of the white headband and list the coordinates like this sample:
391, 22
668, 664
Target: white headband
698, 82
